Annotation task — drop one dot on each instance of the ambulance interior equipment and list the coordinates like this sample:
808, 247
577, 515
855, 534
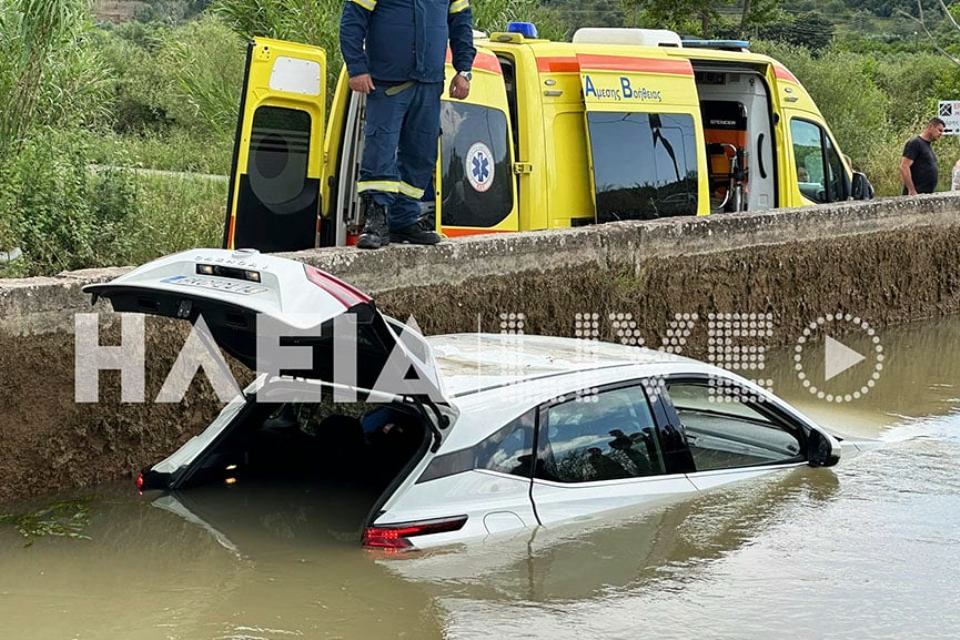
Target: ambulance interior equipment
737, 129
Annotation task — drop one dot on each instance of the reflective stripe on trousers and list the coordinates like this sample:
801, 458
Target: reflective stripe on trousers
400, 148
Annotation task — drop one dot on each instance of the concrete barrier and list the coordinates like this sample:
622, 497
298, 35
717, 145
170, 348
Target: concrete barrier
888, 261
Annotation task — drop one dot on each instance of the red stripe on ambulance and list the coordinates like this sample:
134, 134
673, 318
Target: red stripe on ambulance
485, 61
783, 73
630, 63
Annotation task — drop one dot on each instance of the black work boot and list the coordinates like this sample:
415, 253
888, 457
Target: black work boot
416, 233
376, 233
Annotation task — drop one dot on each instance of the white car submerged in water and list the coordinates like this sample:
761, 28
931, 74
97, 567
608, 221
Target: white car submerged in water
498, 433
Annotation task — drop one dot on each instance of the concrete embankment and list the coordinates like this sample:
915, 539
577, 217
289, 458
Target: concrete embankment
888, 261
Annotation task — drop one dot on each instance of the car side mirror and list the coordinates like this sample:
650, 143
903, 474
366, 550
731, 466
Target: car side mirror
820, 451
860, 187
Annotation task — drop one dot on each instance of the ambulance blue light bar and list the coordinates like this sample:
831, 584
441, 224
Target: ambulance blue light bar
526, 29
726, 45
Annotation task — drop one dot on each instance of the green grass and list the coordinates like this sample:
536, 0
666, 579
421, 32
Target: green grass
176, 213
176, 150
166, 214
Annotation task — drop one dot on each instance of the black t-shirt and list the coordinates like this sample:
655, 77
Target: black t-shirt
924, 167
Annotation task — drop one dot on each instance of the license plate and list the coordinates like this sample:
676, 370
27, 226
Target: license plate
239, 288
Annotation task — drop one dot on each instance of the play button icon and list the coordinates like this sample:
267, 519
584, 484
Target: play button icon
838, 357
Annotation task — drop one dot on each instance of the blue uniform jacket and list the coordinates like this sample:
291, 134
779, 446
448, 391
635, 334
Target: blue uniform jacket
406, 39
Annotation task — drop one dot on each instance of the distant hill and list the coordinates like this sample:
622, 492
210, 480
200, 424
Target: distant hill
875, 19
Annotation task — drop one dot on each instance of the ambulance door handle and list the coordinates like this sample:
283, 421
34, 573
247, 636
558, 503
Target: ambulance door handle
763, 171
521, 168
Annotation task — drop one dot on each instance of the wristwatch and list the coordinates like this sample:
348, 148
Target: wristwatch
466, 74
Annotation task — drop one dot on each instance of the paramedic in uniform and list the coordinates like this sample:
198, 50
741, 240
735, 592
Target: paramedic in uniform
395, 51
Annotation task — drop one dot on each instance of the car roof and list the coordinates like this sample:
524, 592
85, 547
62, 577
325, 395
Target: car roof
475, 362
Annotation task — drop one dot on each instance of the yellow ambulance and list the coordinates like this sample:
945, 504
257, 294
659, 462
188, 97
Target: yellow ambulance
618, 124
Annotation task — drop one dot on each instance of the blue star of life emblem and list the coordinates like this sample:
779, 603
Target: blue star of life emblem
481, 167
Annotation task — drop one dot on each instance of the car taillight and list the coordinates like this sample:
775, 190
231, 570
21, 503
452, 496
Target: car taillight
346, 294
397, 536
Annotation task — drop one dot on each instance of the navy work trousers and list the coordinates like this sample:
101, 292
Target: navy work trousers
400, 148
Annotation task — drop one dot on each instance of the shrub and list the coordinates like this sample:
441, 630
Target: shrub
175, 213
61, 214
46, 77
176, 149
66, 216
202, 63
136, 82
493, 15
186, 76
315, 22
175, 91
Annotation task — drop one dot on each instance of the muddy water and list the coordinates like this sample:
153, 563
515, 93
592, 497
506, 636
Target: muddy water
870, 548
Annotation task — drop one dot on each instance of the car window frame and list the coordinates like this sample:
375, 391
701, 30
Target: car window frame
675, 463
769, 410
464, 459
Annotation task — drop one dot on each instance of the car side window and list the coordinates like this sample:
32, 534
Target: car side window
508, 450
607, 436
725, 429
820, 172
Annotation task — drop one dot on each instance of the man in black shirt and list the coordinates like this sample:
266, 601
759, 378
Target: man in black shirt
918, 166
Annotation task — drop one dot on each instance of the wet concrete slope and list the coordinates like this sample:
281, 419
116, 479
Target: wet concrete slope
888, 261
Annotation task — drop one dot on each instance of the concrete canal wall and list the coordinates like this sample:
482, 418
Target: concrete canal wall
886, 261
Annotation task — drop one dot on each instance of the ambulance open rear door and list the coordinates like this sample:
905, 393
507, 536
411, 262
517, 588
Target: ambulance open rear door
273, 203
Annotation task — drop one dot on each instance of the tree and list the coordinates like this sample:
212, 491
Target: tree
811, 30
703, 17
758, 13
947, 11
682, 15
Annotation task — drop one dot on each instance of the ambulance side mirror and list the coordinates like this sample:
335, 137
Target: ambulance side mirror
860, 187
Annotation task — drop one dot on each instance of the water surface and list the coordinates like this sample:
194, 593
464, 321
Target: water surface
869, 548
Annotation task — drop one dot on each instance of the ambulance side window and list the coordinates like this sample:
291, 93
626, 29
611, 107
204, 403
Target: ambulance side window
820, 172
644, 165
477, 179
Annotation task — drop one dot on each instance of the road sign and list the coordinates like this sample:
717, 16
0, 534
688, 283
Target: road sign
949, 112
